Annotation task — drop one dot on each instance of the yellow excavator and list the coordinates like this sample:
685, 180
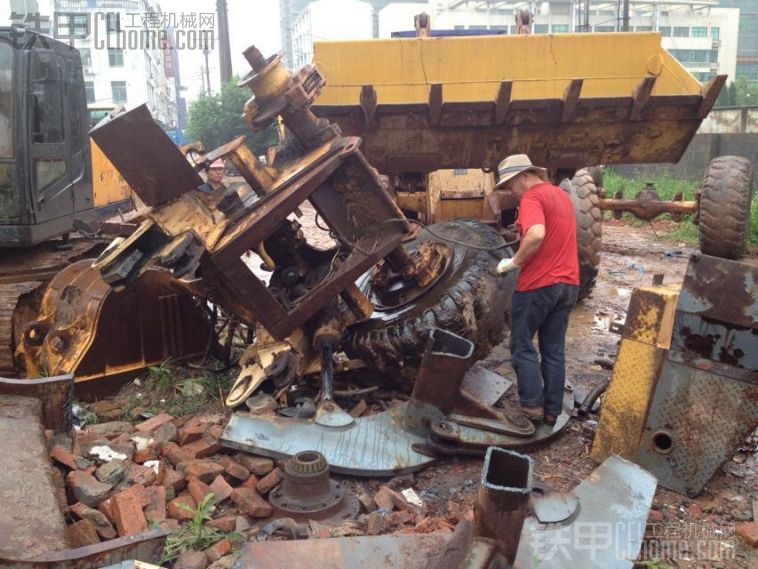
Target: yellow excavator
53, 180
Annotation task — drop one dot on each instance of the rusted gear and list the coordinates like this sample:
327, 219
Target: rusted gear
307, 492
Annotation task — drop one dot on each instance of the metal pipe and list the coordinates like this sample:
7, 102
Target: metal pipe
502, 504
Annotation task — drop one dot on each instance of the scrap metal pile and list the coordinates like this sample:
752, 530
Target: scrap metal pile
424, 303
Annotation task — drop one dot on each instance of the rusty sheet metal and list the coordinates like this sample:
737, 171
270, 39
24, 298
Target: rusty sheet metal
485, 385
614, 499
717, 315
119, 552
627, 400
86, 328
147, 159
31, 520
56, 395
380, 552
700, 413
371, 446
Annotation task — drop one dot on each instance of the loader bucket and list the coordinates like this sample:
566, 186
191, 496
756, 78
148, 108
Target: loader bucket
568, 100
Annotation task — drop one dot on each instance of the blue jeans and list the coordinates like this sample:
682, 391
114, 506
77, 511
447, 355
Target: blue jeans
544, 311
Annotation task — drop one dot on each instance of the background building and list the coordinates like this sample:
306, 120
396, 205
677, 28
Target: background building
702, 34
329, 19
127, 49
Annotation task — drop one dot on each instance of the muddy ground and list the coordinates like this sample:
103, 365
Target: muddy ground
631, 256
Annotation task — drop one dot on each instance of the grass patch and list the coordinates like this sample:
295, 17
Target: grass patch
667, 187
175, 390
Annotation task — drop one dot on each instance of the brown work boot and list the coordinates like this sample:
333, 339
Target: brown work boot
534, 414
549, 419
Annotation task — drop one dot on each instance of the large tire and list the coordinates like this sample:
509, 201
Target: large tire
467, 300
725, 207
589, 228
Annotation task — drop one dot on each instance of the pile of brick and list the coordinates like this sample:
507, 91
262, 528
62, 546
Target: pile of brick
118, 479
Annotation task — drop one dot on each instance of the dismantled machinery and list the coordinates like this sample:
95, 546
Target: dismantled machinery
516, 524
437, 114
684, 390
375, 295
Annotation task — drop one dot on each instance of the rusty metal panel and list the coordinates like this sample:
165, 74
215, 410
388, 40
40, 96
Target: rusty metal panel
119, 552
700, 413
717, 316
614, 502
56, 395
147, 159
382, 551
626, 402
650, 316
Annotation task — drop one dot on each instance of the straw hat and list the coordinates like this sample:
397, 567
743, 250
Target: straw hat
513, 165
218, 163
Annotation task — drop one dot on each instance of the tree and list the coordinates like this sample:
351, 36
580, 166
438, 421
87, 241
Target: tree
216, 118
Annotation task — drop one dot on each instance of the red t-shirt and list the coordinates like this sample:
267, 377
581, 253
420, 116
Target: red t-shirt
556, 261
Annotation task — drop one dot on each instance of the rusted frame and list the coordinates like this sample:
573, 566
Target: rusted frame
641, 96
649, 209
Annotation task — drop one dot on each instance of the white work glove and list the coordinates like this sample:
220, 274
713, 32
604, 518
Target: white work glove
505, 266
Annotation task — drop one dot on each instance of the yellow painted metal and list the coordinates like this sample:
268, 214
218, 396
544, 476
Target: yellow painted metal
626, 402
107, 184
472, 68
650, 316
643, 349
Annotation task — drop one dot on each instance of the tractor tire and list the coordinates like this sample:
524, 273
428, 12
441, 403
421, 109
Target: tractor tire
589, 227
468, 300
724, 215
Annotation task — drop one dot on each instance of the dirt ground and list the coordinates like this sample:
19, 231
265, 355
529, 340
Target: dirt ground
631, 256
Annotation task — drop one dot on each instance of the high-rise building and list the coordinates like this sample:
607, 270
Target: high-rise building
747, 44
127, 49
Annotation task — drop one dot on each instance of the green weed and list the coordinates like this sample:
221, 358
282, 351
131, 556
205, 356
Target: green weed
195, 534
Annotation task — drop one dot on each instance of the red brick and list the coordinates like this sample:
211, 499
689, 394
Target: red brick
431, 524
145, 454
175, 454
191, 560
191, 432
251, 482
178, 513
198, 489
62, 456
269, 481
173, 480
258, 465
234, 468
81, 533
401, 517
453, 514
127, 511
205, 470
224, 523
749, 532
106, 507
169, 524
139, 492
388, 499
153, 423
221, 489
138, 474
655, 516
155, 511
203, 447
251, 503
218, 549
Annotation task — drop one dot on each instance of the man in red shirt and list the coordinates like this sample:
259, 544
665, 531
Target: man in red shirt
546, 287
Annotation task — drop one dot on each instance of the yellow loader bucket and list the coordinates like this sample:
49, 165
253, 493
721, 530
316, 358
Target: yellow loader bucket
569, 101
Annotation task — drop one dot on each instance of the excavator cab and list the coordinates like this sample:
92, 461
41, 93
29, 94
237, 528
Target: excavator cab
46, 179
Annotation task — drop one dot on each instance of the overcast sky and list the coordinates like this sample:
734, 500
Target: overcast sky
250, 22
